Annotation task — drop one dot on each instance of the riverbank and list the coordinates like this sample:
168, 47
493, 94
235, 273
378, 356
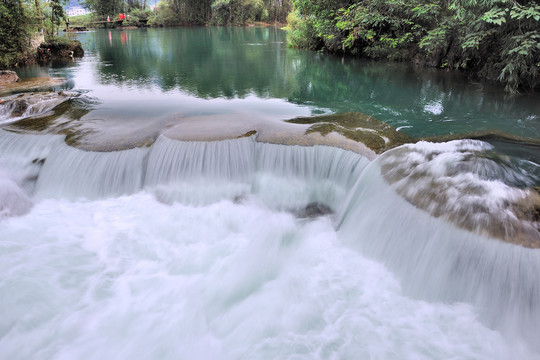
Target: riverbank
42, 52
496, 42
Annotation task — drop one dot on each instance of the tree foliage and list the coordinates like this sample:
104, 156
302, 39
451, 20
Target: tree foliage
57, 15
105, 7
221, 12
17, 21
198, 12
496, 39
20, 21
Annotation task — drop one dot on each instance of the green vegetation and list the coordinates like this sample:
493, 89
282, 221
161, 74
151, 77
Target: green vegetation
20, 20
106, 7
80, 20
13, 31
495, 39
57, 16
195, 12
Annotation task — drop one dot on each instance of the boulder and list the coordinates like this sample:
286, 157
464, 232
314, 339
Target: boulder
60, 50
8, 77
314, 209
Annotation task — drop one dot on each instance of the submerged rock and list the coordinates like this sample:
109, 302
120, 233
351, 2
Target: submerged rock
31, 104
8, 77
375, 134
35, 84
314, 209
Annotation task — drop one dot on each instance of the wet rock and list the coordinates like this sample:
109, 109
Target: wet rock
314, 209
462, 183
31, 84
60, 50
31, 104
39, 161
239, 199
376, 135
18, 106
8, 77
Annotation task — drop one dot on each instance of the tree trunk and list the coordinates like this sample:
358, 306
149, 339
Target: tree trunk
39, 15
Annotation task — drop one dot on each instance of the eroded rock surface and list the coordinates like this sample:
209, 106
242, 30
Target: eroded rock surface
462, 181
466, 184
375, 134
31, 104
32, 84
8, 77
313, 210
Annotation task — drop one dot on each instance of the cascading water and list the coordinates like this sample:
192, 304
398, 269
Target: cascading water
434, 259
32, 104
193, 250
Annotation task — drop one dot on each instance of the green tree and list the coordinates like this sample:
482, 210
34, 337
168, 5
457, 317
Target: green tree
221, 12
57, 15
105, 7
39, 15
499, 39
15, 28
494, 39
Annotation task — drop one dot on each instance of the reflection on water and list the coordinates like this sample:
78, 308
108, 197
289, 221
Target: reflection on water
145, 74
204, 62
231, 63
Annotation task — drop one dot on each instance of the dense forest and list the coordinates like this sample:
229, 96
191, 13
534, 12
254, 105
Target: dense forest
492, 39
12, 34
193, 12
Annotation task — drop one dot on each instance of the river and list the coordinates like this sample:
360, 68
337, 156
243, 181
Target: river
159, 214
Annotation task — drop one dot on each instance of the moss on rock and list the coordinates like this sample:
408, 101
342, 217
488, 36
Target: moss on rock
375, 134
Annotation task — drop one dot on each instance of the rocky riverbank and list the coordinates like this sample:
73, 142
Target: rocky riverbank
59, 49
8, 77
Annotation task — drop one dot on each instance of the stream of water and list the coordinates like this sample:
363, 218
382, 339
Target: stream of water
208, 249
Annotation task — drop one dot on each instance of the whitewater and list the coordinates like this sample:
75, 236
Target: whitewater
204, 250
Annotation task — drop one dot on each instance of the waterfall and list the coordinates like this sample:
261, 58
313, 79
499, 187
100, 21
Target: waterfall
434, 259
29, 105
193, 172
73, 173
208, 234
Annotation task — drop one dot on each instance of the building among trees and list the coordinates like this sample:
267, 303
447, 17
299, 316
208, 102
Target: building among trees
76, 11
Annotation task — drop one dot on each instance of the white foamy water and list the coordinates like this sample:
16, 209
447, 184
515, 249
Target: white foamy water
130, 277
167, 256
